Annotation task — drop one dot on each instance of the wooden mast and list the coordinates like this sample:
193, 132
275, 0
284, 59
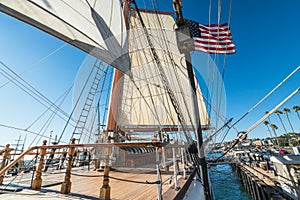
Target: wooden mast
113, 113
114, 101
115, 95
186, 51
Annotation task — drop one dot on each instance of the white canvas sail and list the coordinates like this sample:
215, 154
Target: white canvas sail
94, 26
145, 101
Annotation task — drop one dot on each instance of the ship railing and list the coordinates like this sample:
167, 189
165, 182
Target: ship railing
66, 185
63, 146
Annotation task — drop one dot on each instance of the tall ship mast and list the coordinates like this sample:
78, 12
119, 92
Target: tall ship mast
140, 84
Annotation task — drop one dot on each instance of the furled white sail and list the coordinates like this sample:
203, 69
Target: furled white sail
94, 26
145, 101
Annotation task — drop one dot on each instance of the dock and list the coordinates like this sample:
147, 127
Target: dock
259, 183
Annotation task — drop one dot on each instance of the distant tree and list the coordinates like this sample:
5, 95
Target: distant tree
267, 125
286, 111
269, 120
274, 128
266, 112
283, 144
295, 143
278, 113
282, 136
296, 109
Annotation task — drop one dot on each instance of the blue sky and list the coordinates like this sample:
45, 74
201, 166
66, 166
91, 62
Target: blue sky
22, 49
266, 37
265, 32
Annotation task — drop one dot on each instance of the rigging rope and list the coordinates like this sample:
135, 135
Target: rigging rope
209, 101
21, 129
163, 76
244, 134
50, 118
266, 96
106, 98
225, 56
30, 90
154, 112
90, 98
132, 78
175, 69
76, 104
39, 117
15, 177
35, 64
167, 61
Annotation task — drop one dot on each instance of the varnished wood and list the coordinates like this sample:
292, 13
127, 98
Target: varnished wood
114, 100
37, 182
153, 11
164, 129
119, 189
105, 189
66, 185
5, 155
88, 183
44, 147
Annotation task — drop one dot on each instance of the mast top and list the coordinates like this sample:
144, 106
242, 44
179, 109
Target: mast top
177, 4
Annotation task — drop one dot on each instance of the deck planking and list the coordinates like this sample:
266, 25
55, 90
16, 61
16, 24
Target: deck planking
88, 184
267, 177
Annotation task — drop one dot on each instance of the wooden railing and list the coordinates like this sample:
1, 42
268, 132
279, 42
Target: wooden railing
28, 151
36, 182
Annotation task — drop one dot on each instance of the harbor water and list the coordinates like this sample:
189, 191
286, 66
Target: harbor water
225, 184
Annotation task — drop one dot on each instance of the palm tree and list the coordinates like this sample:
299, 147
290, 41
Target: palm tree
267, 123
296, 109
267, 112
278, 113
274, 127
286, 111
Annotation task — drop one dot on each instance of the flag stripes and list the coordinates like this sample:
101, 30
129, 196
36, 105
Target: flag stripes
215, 39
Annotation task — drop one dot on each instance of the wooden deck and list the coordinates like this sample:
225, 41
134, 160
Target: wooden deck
267, 177
260, 183
86, 184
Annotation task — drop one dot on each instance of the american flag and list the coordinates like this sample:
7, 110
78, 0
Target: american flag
212, 39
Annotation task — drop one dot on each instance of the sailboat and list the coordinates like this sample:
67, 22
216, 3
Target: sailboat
150, 111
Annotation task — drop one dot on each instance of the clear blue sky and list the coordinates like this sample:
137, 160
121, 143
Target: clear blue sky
266, 35
265, 32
